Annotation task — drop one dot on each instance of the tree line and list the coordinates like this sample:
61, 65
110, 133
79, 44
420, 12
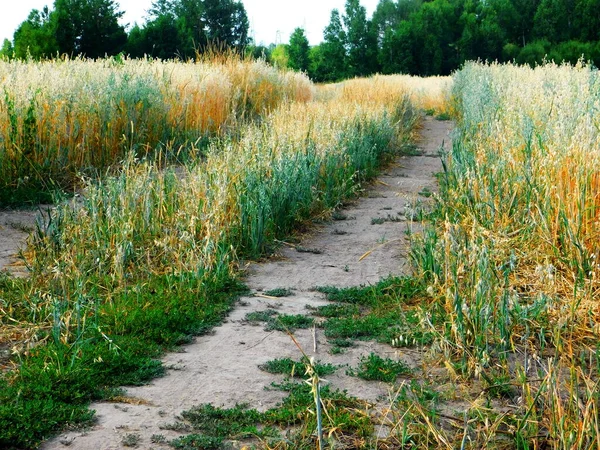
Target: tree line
420, 37
90, 28
435, 37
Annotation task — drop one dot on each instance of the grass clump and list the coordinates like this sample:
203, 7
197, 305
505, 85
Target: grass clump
214, 427
291, 368
279, 292
238, 422
376, 368
290, 322
130, 440
197, 442
280, 322
388, 290
388, 311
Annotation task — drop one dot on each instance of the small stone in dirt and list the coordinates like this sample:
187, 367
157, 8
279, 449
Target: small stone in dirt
301, 249
67, 441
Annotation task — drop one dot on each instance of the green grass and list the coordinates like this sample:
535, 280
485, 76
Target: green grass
280, 322
291, 423
388, 312
376, 368
295, 369
56, 381
389, 290
279, 292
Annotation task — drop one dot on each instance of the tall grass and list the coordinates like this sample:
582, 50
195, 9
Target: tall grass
63, 119
514, 254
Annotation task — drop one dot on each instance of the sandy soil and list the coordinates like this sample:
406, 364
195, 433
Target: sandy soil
15, 226
222, 368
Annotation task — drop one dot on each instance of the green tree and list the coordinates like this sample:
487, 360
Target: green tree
136, 45
553, 20
226, 23
533, 53
162, 38
162, 8
389, 14
36, 36
587, 20
396, 52
259, 52
298, 51
184, 27
523, 21
316, 64
361, 40
280, 56
333, 50
483, 36
7, 50
189, 16
89, 27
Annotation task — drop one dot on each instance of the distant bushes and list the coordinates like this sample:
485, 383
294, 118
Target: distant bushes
540, 51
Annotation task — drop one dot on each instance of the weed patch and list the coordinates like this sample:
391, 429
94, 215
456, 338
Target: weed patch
280, 322
344, 420
56, 381
376, 368
387, 312
279, 292
291, 368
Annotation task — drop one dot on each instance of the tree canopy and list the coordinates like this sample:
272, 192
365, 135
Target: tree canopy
175, 28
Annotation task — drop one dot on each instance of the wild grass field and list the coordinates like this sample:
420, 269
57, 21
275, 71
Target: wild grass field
511, 258
179, 182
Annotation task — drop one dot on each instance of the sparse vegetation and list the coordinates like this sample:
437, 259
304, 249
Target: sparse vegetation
291, 368
376, 368
279, 292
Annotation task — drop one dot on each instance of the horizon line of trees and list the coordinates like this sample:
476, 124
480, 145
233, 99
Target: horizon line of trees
90, 28
419, 37
436, 37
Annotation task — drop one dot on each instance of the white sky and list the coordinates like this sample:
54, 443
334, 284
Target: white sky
270, 20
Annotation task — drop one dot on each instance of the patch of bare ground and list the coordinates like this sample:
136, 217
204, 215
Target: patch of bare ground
15, 226
222, 368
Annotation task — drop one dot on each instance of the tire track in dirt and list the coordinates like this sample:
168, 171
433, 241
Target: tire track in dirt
222, 368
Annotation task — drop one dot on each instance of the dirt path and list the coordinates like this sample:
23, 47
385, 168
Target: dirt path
15, 226
222, 368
